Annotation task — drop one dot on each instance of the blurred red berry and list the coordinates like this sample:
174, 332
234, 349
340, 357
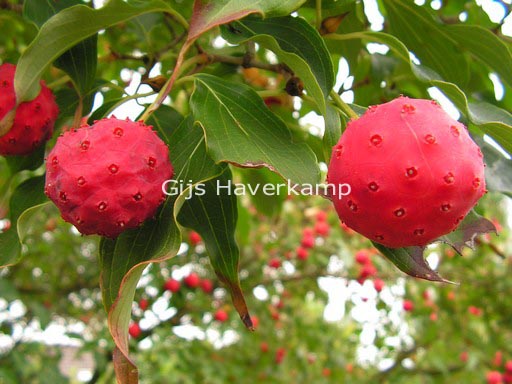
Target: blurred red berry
172, 285
302, 253
508, 366
322, 228
464, 356
206, 285
194, 238
321, 216
280, 354
494, 377
367, 271
264, 347
221, 315
498, 359
507, 378
192, 280
308, 241
143, 304
362, 257
378, 284
433, 316
308, 232
255, 321
408, 305
274, 262
475, 311
326, 372
134, 330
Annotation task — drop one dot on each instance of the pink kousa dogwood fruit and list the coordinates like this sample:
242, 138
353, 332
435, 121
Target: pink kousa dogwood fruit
107, 178
414, 173
33, 120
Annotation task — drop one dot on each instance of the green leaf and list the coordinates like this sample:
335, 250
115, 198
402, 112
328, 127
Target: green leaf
296, 43
79, 62
213, 214
67, 28
270, 201
30, 162
208, 13
123, 259
485, 46
411, 261
492, 120
411, 24
332, 132
240, 129
465, 234
498, 174
28, 194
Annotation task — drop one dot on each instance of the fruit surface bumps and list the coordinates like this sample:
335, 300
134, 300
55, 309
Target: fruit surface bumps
107, 178
414, 173
34, 120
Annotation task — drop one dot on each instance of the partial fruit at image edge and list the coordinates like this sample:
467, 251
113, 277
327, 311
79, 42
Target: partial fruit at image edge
414, 173
33, 120
107, 178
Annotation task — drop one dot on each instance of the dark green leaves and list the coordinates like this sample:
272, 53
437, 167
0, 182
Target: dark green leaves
28, 195
66, 29
208, 14
240, 129
80, 61
296, 43
213, 214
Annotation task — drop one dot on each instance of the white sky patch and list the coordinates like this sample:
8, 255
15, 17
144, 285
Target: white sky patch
499, 90
436, 4
373, 14
348, 96
314, 122
377, 48
444, 102
494, 9
343, 73
490, 140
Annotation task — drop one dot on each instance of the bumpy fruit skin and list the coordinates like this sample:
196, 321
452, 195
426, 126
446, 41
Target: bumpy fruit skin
107, 178
414, 173
34, 120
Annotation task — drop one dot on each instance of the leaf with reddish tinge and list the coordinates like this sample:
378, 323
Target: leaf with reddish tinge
411, 261
465, 234
208, 14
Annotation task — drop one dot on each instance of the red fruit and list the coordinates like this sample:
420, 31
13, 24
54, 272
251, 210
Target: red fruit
34, 120
413, 171
192, 280
134, 330
363, 257
378, 284
475, 311
494, 377
143, 304
206, 286
308, 232
322, 228
321, 216
308, 241
255, 321
302, 253
464, 357
221, 315
326, 372
507, 378
498, 359
433, 316
408, 305
108, 177
367, 271
264, 347
508, 366
274, 263
172, 285
280, 354
194, 238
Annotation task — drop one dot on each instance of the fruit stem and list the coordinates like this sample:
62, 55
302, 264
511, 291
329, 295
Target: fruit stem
78, 113
318, 14
343, 106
